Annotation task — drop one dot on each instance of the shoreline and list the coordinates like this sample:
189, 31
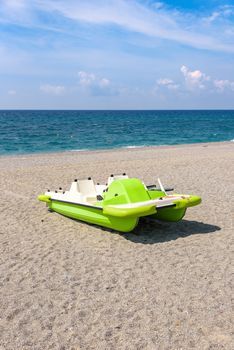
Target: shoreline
117, 149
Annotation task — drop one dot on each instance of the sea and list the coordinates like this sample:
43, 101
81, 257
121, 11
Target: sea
36, 131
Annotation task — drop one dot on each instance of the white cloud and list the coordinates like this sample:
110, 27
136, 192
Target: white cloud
169, 83
212, 17
221, 85
154, 21
194, 79
221, 13
199, 80
90, 79
104, 82
97, 85
164, 81
52, 89
86, 79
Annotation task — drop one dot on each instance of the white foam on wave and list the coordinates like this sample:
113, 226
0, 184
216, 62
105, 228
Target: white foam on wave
232, 140
134, 146
79, 150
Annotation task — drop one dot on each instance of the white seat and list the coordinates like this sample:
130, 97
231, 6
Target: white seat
86, 187
116, 177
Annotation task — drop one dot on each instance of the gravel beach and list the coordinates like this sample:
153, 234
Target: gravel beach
68, 285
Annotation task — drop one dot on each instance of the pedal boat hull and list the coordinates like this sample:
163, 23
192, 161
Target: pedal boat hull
122, 204
123, 221
178, 211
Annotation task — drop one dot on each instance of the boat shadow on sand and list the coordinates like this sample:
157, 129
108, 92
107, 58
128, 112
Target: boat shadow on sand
151, 232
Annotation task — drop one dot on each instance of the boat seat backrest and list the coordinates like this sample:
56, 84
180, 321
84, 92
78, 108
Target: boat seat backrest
86, 187
116, 177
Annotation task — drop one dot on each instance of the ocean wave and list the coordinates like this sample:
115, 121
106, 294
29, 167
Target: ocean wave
98, 131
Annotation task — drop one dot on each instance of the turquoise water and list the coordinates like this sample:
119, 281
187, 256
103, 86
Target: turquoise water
52, 131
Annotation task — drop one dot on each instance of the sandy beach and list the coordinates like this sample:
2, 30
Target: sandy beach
67, 285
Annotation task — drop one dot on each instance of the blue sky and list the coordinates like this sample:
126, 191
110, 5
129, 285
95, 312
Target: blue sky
116, 54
